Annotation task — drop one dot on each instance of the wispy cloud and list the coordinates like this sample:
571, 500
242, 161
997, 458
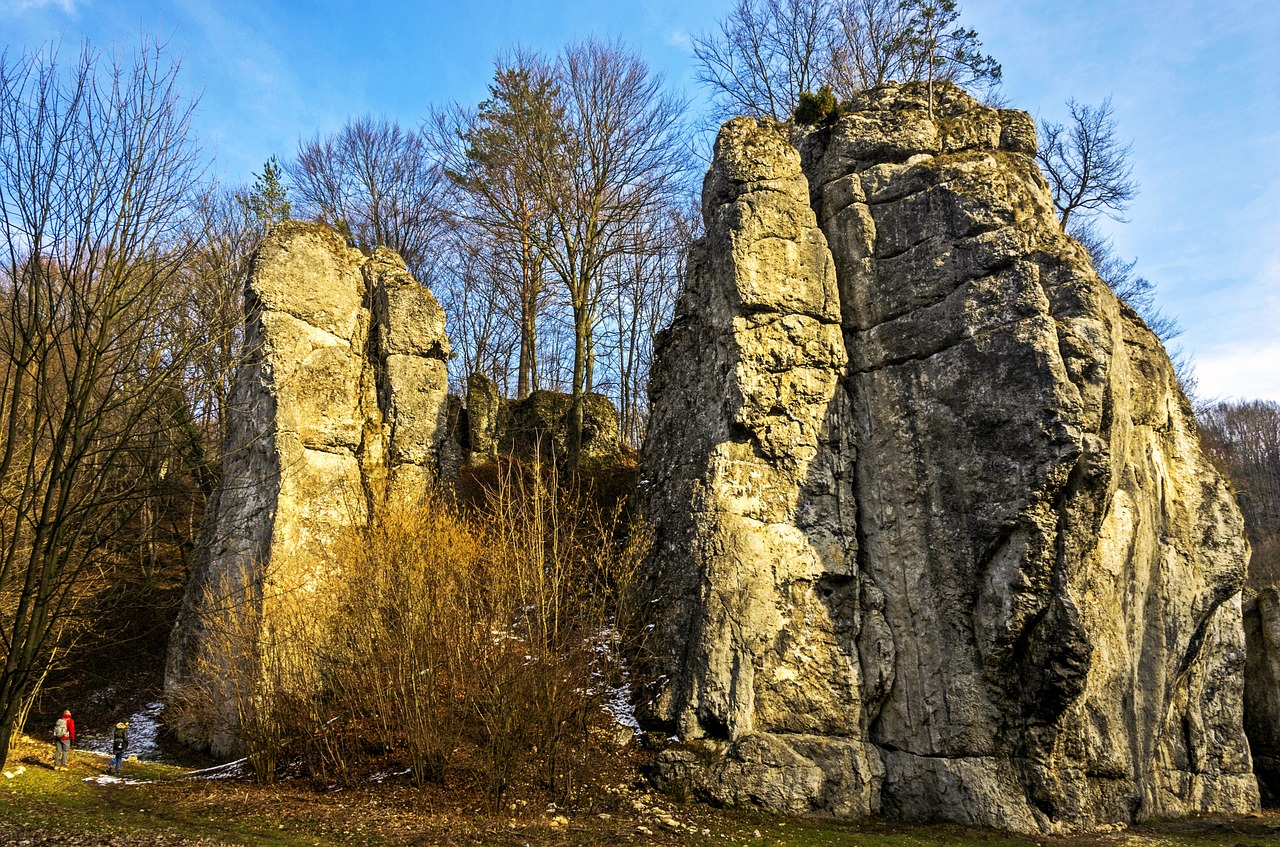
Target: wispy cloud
27, 7
681, 40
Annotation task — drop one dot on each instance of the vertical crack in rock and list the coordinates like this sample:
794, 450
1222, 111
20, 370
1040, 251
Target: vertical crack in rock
934, 534
1262, 681
339, 402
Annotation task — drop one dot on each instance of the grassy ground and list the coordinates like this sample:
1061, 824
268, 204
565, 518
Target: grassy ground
165, 806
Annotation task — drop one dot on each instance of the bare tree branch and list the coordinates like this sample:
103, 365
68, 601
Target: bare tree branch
1088, 169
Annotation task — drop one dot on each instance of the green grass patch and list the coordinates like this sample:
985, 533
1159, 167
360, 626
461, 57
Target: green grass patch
160, 805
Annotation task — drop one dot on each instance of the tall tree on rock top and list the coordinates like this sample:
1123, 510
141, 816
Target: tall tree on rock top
766, 53
268, 198
943, 52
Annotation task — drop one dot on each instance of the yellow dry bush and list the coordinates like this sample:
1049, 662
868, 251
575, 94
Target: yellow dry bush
479, 641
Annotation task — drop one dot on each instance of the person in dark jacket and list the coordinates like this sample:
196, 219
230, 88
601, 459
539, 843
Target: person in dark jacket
64, 735
119, 743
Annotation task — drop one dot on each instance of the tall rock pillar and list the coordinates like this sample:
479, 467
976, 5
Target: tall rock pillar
339, 401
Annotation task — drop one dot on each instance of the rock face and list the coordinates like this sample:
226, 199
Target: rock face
934, 536
341, 399
537, 425
1262, 689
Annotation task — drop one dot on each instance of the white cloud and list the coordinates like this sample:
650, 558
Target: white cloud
681, 40
1247, 372
23, 7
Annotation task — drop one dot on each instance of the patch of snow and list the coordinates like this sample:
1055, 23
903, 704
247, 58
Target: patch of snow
112, 779
231, 770
144, 734
382, 775
618, 704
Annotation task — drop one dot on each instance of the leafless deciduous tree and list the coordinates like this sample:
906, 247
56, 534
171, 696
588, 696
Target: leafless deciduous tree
1088, 169
226, 230
1090, 173
766, 53
869, 45
469, 283
641, 288
1137, 291
98, 173
1243, 438
620, 163
376, 181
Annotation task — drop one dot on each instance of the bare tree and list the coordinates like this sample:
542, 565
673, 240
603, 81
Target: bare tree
765, 54
870, 45
642, 289
1089, 173
1135, 290
378, 183
769, 52
1087, 167
98, 173
482, 335
1243, 438
620, 162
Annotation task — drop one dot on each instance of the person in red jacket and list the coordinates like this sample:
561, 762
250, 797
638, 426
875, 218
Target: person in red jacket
64, 735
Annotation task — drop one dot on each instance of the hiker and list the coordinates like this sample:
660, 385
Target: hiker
64, 735
119, 742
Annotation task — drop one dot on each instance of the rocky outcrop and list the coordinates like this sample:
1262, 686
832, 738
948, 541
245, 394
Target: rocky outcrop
934, 536
1262, 689
340, 401
537, 426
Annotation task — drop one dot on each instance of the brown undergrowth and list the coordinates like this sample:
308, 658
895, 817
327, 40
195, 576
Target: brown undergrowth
472, 644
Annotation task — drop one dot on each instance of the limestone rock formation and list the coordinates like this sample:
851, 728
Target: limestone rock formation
1262, 689
934, 536
341, 399
536, 425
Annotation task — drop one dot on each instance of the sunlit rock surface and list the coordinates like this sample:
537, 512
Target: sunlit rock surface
934, 534
340, 400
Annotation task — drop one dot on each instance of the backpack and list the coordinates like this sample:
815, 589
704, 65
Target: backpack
60, 728
119, 741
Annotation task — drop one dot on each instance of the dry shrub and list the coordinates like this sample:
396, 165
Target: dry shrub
406, 627
256, 669
480, 642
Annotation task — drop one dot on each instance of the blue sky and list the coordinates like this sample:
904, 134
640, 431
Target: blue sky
1197, 91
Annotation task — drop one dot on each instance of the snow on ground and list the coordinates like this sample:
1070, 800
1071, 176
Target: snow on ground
110, 779
144, 734
230, 770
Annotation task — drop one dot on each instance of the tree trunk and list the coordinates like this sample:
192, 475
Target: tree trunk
581, 354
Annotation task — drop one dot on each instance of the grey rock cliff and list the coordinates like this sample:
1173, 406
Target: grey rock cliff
340, 400
934, 534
